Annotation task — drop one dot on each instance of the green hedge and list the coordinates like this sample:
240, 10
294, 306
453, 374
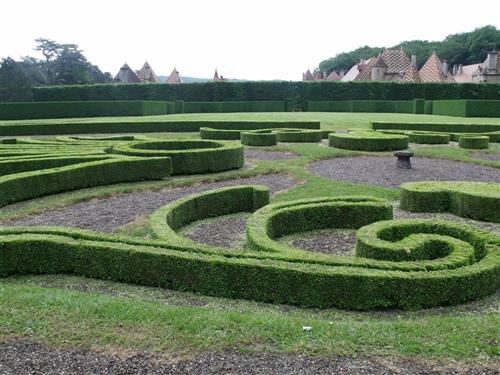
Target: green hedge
373, 106
240, 106
428, 138
435, 127
32, 184
298, 135
467, 108
69, 109
165, 221
418, 106
477, 200
96, 127
259, 138
368, 141
473, 142
188, 156
297, 93
494, 137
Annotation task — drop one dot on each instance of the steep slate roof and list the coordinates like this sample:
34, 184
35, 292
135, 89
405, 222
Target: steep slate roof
126, 75
432, 70
174, 77
333, 76
307, 76
355, 70
411, 74
216, 75
147, 74
395, 59
466, 74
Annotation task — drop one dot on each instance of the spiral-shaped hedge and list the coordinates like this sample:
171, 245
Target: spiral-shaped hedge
404, 264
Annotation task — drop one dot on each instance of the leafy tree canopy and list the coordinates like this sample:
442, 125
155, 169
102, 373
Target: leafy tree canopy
463, 48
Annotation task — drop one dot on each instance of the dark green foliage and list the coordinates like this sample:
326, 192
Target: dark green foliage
373, 106
32, 184
240, 106
298, 135
259, 138
297, 94
477, 200
473, 142
22, 111
467, 108
15, 84
368, 141
419, 106
435, 127
428, 107
188, 156
96, 127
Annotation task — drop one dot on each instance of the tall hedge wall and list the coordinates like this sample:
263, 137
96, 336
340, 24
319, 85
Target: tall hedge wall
467, 108
298, 93
63, 109
373, 106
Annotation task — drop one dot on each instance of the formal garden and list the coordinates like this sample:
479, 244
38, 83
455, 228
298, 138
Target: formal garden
278, 223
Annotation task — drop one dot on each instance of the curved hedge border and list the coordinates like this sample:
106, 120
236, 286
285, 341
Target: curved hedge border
368, 141
188, 156
283, 134
260, 138
477, 200
473, 142
447, 263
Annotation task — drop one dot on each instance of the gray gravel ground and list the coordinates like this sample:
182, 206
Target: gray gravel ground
26, 357
381, 170
268, 155
106, 214
329, 241
225, 231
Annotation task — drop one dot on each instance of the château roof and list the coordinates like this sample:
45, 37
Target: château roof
395, 59
411, 74
147, 74
174, 77
307, 76
432, 71
333, 76
126, 75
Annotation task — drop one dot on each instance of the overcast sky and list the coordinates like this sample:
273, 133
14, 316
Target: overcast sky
258, 39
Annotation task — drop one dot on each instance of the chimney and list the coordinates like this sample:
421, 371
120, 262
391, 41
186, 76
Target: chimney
342, 73
444, 68
460, 69
324, 75
491, 62
455, 69
414, 59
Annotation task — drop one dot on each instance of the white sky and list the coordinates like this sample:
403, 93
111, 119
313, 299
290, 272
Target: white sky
258, 39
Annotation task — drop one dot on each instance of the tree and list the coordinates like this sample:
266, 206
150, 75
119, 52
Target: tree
15, 85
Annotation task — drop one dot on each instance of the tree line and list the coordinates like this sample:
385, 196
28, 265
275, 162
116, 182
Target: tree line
463, 48
62, 64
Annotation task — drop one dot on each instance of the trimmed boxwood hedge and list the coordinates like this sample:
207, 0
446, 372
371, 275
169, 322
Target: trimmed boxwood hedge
428, 138
467, 108
368, 141
373, 106
72, 109
477, 200
26, 185
473, 142
282, 134
188, 156
96, 127
259, 138
445, 263
435, 127
494, 137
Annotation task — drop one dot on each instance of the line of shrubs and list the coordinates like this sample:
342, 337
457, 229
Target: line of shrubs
368, 141
374, 106
27, 185
103, 127
477, 200
435, 127
188, 156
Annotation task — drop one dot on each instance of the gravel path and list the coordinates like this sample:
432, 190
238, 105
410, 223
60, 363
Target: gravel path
106, 214
225, 231
268, 155
26, 357
329, 241
485, 156
381, 170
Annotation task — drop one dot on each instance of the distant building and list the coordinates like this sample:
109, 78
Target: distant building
126, 75
217, 77
333, 76
356, 69
307, 76
146, 74
489, 70
174, 77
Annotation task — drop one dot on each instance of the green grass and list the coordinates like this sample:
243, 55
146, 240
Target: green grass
147, 319
68, 311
